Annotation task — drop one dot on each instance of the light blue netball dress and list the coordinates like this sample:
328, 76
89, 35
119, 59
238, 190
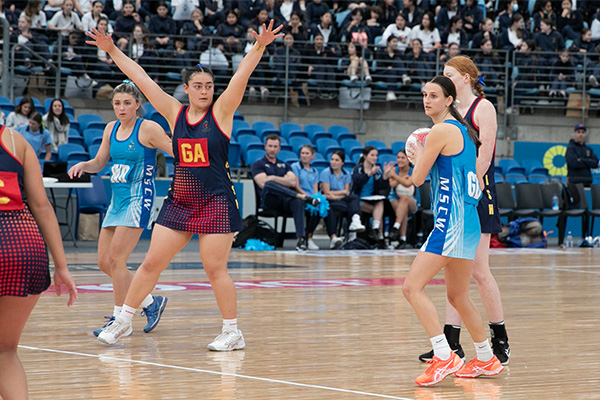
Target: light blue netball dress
455, 193
132, 181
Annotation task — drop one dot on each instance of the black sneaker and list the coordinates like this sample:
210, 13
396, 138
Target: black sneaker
501, 350
426, 357
312, 201
394, 234
301, 244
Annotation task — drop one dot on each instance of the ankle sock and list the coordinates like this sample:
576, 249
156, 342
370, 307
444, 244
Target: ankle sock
117, 311
229, 325
441, 348
127, 313
484, 351
147, 301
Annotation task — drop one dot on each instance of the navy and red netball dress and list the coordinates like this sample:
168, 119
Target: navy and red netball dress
201, 198
23, 254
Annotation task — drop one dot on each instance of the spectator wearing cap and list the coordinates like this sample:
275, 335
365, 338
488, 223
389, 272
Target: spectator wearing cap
580, 158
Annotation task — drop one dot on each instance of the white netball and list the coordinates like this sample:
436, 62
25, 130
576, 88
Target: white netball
415, 139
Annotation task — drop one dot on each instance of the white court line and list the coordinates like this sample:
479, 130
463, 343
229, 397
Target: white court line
204, 371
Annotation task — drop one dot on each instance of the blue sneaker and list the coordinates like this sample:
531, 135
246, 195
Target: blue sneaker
110, 321
154, 311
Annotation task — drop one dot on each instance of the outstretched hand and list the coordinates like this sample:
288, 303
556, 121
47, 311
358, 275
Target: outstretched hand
100, 39
268, 34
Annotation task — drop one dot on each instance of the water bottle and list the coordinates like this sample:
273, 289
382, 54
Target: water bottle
569, 240
555, 202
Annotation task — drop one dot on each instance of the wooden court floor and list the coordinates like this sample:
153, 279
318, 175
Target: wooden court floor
320, 325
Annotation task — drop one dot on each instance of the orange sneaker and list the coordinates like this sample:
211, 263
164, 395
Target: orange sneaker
439, 369
475, 368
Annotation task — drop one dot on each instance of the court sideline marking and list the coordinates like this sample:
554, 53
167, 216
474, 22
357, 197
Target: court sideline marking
215, 373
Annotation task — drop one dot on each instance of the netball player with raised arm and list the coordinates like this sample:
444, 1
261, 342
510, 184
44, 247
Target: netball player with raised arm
131, 143
201, 199
480, 114
449, 158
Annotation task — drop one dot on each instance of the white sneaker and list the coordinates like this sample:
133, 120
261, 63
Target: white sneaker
115, 330
251, 93
406, 81
336, 243
264, 93
356, 225
353, 78
391, 96
312, 245
368, 80
228, 341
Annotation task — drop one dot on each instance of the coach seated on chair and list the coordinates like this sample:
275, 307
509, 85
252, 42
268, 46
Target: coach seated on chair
278, 187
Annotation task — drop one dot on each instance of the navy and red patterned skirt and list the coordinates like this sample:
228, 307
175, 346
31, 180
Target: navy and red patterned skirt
23, 255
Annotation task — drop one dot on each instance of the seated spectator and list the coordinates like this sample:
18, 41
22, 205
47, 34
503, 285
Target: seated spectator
356, 29
282, 10
452, 51
215, 58
569, 22
65, 20
581, 46
489, 64
57, 123
295, 61
594, 69
103, 67
38, 137
214, 12
595, 28
504, 17
512, 38
389, 12
182, 11
402, 199
277, 188
562, 75
527, 65
296, 28
125, 23
259, 76
326, 28
232, 33
369, 181
472, 17
541, 11
314, 11
197, 34
20, 116
390, 67
90, 19
335, 185
248, 9
26, 36
262, 17
321, 60
52, 7
180, 58
427, 33
82, 6
448, 10
454, 34
418, 63
143, 51
412, 13
401, 31
308, 184
486, 32
35, 13
548, 40
354, 64
373, 21
162, 27
75, 54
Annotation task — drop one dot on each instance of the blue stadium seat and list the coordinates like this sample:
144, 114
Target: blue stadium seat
238, 116
314, 128
252, 156
147, 109
288, 156
534, 167
537, 178
235, 152
347, 144
378, 144
76, 139
397, 146
85, 119
315, 136
93, 150
246, 140
327, 146
298, 142
515, 177
386, 158
260, 126
510, 166
159, 119
335, 129
96, 125
92, 136
72, 153
239, 124
286, 127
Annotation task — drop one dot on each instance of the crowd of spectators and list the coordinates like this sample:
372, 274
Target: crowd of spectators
394, 40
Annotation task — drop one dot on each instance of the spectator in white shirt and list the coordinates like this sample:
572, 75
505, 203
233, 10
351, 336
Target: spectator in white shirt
66, 20
90, 19
400, 30
427, 33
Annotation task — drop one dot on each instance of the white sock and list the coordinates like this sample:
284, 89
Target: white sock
441, 348
117, 311
147, 301
484, 351
229, 325
127, 313
376, 225
403, 238
397, 225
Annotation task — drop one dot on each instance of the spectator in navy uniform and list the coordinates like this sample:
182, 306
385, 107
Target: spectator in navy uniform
580, 158
541, 11
124, 24
356, 29
390, 67
569, 22
296, 28
195, 31
162, 27
454, 33
389, 12
215, 11
326, 28
295, 62
527, 66
562, 74
581, 46
412, 14
511, 38
418, 63
472, 17
283, 9
321, 60
277, 187
314, 10
447, 11
548, 40
8, 15
248, 10
505, 16
489, 64
232, 33
486, 32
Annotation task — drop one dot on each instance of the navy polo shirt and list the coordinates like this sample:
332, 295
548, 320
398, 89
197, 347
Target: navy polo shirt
278, 168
